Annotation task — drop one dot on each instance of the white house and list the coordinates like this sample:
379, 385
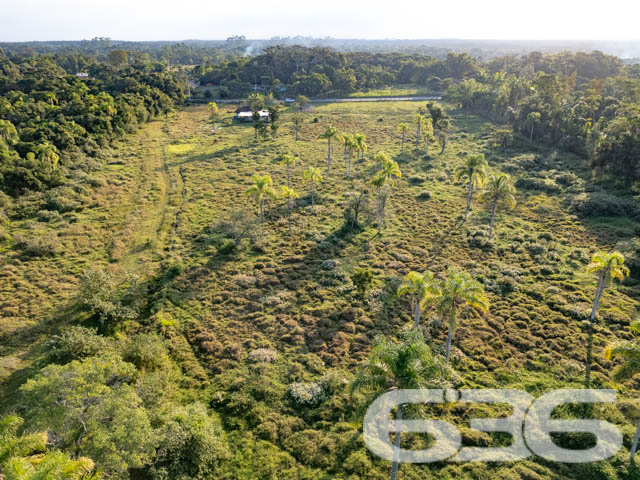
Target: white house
245, 115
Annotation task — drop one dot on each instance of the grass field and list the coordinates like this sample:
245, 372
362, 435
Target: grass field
167, 187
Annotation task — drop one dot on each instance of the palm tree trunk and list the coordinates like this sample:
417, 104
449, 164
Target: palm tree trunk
634, 447
416, 320
469, 194
493, 217
531, 135
396, 448
296, 128
288, 176
418, 135
262, 217
313, 197
328, 155
289, 213
592, 320
448, 350
402, 144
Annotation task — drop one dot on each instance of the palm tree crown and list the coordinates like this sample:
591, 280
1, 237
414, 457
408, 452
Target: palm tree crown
458, 289
475, 170
422, 287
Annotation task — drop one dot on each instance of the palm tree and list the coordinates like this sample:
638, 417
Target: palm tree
260, 191
47, 152
607, 266
409, 364
348, 145
422, 288
298, 118
213, 113
475, 170
328, 134
386, 176
290, 161
419, 121
402, 129
312, 176
361, 145
290, 194
8, 132
25, 457
458, 289
630, 354
532, 119
499, 190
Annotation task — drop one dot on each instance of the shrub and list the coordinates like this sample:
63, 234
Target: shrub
239, 226
306, 394
75, 343
362, 279
42, 246
146, 351
600, 204
416, 179
266, 355
539, 184
424, 195
111, 301
479, 238
192, 445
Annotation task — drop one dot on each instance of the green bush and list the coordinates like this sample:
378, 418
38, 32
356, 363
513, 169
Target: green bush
76, 343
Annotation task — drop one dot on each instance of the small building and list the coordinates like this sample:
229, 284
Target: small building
245, 114
82, 75
289, 100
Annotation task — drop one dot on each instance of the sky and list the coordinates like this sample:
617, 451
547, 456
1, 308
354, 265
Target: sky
24, 20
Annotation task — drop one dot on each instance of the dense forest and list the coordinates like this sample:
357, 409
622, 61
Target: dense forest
187, 296
54, 123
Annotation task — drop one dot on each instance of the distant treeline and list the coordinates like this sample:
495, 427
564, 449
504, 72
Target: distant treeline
52, 122
588, 104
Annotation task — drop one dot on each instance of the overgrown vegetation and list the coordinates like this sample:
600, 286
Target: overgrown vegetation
182, 318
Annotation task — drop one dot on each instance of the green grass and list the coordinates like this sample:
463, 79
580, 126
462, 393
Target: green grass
396, 91
177, 181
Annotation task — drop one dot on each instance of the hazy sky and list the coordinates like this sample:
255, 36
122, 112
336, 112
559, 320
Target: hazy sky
22, 20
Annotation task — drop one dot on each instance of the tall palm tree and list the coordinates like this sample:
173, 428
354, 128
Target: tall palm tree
385, 177
630, 354
328, 134
8, 132
290, 162
298, 118
475, 170
532, 120
361, 145
423, 288
290, 194
402, 129
47, 152
607, 266
312, 176
260, 191
456, 290
348, 145
499, 190
409, 364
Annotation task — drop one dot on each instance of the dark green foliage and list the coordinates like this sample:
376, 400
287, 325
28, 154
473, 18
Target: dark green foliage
362, 279
76, 343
